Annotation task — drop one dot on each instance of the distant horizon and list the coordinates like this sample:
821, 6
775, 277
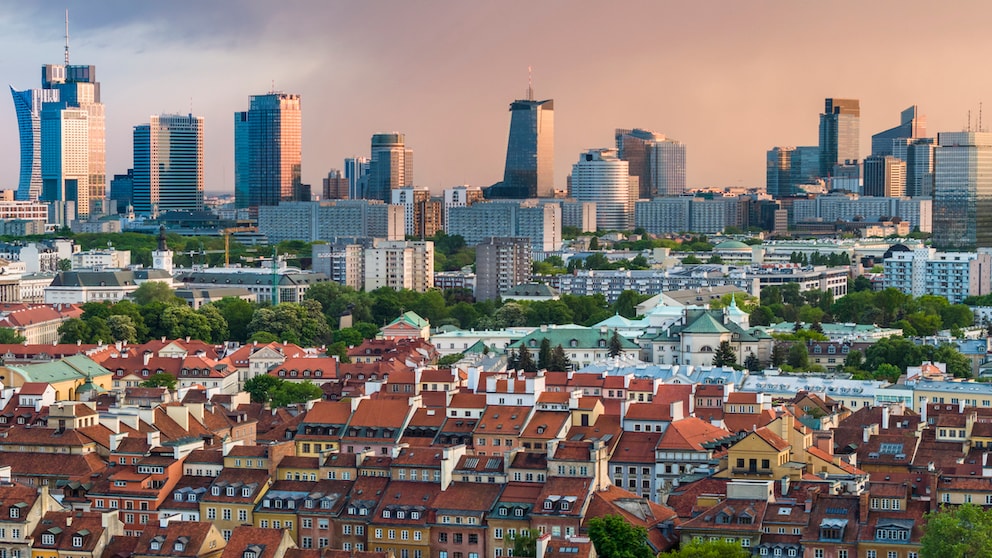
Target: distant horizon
445, 73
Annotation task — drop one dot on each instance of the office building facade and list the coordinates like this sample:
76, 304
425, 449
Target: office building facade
390, 167
657, 162
884, 175
962, 193
541, 223
168, 164
601, 177
268, 150
336, 186
529, 168
839, 134
837, 207
893, 141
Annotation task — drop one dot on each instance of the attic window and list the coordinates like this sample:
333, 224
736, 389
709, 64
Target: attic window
48, 539
230, 491
548, 504
215, 490
77, 541
415, 515
246, 491
179, 546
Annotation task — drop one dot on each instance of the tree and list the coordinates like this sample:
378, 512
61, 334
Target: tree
544, 354
289, 393
626, 304
10, 337
448, 360
218, 325
594, 243
122, 329
524, 544
780, 352
798, 356
752, 363
559, 360
155, 291
182, 321
725, 355
959, 532
708, 549
74, 330
160, 379
616, 345
65, 264
260, 387
525, 360
613, 537
762, 315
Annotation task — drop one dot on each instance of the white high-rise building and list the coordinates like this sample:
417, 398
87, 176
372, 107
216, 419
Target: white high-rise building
400, 265
168, 164
601, 177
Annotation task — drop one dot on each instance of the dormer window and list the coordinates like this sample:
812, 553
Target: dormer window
77, 541
179, 546
15, 512
518, 512
179, 496
191, 497
249, 554
415, 515
548, 505
386, 513
215, 490
401, 515
155, 545
47, 539
564, 506
230, 491
246, 491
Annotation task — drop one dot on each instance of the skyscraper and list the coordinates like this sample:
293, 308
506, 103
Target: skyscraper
501, 263
601, 177
356, 170
27, 105
884, 175
335, 186
962, 192
892, 141
391, 166
268, 150
530, 157
919, 167
839, 134
657, 162
168, 164
79, 97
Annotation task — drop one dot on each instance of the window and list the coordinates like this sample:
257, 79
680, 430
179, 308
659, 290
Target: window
842, 553
211, 513
818, 553
242, 515
378, 533
226, 514
417, 535
47, 539
308, 523
77, 541
871, 554
15, 511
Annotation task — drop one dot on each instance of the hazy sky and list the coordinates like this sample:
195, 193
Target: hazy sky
728, 78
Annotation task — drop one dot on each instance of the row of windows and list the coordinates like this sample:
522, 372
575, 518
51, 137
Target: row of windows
404, 534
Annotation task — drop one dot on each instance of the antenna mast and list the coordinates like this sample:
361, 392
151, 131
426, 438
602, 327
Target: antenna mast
530, 83
67, 37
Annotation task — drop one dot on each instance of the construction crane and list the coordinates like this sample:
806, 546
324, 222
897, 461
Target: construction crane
227, 240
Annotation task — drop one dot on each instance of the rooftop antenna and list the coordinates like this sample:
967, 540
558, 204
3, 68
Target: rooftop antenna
530, 76
67, 37
980, 117
969, 120
273, 90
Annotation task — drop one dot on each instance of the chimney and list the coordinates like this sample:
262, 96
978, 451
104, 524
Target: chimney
863, 507
542, 545
68, 521
885, 416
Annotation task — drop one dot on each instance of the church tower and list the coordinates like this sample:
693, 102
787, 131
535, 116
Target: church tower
162, 257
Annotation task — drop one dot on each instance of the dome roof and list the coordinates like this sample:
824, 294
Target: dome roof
731, 245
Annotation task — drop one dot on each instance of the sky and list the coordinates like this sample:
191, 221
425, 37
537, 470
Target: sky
730, 79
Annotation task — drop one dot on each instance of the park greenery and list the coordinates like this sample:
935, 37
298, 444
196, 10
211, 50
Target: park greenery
708, 549
279, 392
960, 532
614, 537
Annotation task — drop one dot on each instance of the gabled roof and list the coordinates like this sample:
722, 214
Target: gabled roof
705, 324
691, 433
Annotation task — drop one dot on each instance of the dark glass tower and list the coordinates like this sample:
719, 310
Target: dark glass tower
529, 170
268, 150
839, 134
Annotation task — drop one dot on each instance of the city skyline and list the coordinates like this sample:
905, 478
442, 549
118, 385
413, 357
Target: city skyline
461, 64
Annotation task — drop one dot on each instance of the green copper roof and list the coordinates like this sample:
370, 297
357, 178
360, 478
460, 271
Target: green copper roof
411, 318
69, 368
584, 337
705, 323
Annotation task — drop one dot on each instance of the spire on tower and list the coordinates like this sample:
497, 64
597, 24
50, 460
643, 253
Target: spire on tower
530, 78
67, 37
